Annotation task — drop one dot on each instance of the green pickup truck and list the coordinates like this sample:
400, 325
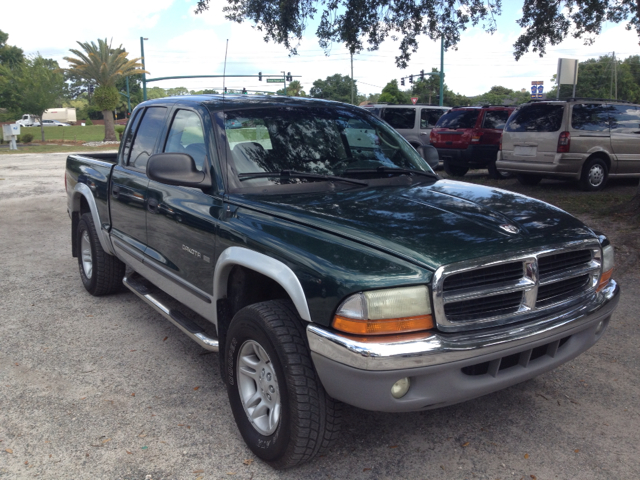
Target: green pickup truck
311, 246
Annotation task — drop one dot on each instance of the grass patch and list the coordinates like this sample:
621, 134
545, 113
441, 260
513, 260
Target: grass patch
55, 149
93, 133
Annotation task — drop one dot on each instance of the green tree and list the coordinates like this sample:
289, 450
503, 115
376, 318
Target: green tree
354, 23
177, 91
336, 87
103, 64
156, 92
39, 83
392, 95
294, 89
498, 95
10, 56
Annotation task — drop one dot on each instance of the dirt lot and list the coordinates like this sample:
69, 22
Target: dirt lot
104, 388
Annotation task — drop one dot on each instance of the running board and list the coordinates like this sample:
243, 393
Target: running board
195, 332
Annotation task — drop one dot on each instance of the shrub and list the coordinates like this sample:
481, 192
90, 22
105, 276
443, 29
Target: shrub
119, 128
26, 138
88, 122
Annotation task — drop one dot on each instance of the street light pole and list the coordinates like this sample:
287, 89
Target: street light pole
284, 77
144, 75
441, 71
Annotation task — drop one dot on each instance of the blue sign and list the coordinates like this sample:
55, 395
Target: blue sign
534, 89
540, 89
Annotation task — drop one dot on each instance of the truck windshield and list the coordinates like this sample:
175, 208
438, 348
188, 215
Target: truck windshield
324, 141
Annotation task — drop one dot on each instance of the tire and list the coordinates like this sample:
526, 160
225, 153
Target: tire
528, 179
594, 175
454, 170
495, 173
101, 273
270, 376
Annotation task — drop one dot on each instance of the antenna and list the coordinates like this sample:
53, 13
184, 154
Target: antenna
224, 71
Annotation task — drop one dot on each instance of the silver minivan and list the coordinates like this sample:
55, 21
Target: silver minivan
414, 123
582, 139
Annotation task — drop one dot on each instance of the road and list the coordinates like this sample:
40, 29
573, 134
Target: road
105, 388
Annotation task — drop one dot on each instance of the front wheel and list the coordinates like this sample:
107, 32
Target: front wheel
281, 409
454, 170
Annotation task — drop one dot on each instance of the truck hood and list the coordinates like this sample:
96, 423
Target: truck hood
431, 225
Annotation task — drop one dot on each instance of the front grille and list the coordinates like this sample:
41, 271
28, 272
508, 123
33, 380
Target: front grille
523, 359
501, 291
484, 276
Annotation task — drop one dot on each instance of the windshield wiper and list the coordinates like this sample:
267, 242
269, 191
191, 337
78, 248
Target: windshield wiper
296, 174
392, 170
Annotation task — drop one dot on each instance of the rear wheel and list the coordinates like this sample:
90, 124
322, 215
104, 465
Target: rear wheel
594, 175
278, 402
100, 272
528, 179
454, 170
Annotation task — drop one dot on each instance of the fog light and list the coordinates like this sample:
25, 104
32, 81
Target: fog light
400, 388
601, 326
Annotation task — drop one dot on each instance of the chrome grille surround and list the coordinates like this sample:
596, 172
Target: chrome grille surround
529, 283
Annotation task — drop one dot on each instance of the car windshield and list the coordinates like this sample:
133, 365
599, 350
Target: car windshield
302, 145
458, 119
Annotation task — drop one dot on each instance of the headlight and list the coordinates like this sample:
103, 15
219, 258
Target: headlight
381, 312
607, 266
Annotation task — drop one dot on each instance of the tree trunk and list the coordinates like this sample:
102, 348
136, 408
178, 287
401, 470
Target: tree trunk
109, 126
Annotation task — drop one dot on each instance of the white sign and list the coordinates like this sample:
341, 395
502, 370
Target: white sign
10, 130
567, 71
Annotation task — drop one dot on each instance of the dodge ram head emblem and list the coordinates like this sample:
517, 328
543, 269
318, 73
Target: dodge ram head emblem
510, 228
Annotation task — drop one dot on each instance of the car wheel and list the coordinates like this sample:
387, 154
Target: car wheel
495, 173
528, 179
100, 272
594, 175
454, 170
281, 409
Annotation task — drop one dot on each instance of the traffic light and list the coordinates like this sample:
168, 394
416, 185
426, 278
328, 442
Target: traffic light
289, 77
244, 91
411, 78
225, 89
260, 76
402, 81
90, 89
421, 74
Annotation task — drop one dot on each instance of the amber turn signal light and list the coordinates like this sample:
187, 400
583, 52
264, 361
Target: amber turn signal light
604, 279
383, 327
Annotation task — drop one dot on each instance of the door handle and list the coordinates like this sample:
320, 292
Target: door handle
152, 205
115, 191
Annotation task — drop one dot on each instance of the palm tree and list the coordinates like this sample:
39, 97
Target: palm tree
103, 65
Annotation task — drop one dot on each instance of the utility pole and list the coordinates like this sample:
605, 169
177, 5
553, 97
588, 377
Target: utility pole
615, 73
441, 71
352, 85
144, 75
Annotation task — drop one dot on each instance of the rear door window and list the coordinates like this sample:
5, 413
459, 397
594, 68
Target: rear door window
495, 119
429, 117
625, 119
403, 118
541, 117
593, 117
458, 119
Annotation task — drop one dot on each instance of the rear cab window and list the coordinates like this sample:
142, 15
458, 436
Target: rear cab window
146, 137
537, 117
455, 119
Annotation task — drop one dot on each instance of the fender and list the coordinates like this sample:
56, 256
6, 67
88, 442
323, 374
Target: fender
83, 190
265, 265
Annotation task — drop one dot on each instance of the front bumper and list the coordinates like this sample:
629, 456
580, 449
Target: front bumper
450, 368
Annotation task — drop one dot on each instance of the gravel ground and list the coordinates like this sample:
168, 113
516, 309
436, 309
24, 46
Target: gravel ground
104, 388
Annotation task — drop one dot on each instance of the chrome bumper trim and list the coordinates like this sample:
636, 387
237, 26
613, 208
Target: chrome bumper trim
437, 348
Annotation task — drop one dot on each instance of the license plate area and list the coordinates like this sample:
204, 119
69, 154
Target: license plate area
525, 151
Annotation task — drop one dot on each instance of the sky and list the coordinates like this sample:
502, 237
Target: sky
183, 43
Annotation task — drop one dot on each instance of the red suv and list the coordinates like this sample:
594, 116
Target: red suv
469, 137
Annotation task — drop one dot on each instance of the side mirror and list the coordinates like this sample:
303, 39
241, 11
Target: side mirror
176, 169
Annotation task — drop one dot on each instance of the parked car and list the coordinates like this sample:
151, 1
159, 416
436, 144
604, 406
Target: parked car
469, 137
54, 123
413, 122
581, 139
318, 253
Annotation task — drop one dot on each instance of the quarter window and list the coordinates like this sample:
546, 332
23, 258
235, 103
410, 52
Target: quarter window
591, 116
537, 117
495, 119
400, 117
146, 137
